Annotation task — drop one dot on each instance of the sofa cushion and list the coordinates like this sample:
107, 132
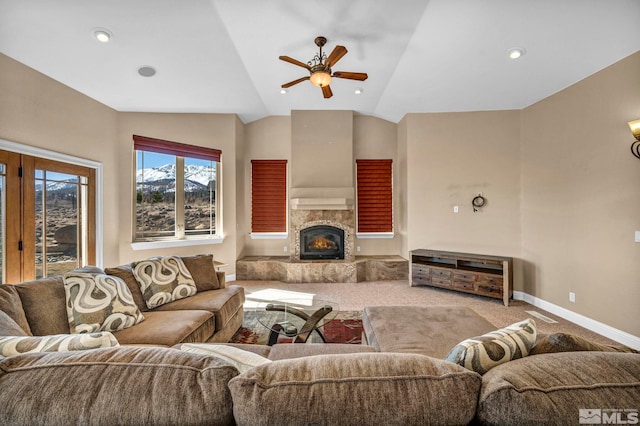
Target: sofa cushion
564, 342
239, 358
125, 385
553, 388
44, 304
16, 345
163, 280
203, 271
168, 328
11, 305
99, 302
8, 327
125, 273
288, 351
363, 388
427, 330
223, 303
481, 353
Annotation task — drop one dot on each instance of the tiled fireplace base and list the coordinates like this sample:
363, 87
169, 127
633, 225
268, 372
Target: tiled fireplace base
363, 268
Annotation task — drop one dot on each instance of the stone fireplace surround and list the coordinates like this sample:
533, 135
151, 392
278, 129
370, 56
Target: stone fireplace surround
302, 219
336, 212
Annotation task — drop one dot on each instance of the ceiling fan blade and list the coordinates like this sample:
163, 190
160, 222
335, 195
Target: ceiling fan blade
337, 53
351, 75
291, 83
326, 91
294, 62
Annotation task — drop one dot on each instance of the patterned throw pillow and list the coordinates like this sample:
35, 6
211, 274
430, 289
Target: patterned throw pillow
16, 345
163, 280
482, 353
98, 302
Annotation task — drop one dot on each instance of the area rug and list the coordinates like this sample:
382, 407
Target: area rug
346, 328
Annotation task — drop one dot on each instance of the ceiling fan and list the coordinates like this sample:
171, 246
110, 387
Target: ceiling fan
320, 68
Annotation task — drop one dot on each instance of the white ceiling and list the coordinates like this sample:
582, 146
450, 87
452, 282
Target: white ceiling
221, 56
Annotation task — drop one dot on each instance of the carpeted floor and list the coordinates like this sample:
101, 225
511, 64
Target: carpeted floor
355, 296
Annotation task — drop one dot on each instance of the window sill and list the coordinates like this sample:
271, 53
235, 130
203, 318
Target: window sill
149, 245
269, 235
365, 235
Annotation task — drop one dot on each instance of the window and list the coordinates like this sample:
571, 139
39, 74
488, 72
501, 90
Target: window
176, 188
269, 196
374, 180
47, 217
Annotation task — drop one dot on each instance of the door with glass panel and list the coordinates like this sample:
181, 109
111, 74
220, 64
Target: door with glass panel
55, 222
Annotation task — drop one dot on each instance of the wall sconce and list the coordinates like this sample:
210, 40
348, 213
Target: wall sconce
635, 129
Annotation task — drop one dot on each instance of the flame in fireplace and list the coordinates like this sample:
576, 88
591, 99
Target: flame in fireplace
322, 243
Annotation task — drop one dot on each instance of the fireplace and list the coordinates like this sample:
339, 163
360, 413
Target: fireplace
321, 242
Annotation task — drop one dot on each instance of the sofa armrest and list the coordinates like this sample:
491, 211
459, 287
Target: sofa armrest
221, 279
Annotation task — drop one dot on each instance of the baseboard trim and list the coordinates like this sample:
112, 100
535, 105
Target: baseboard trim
612, 333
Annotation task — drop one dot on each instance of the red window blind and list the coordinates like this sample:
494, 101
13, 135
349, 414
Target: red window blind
374, 180
269, 195
143, 143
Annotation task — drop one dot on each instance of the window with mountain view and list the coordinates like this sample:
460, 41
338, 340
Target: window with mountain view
175, 190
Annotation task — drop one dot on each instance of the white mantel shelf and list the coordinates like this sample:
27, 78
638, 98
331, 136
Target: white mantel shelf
336, 203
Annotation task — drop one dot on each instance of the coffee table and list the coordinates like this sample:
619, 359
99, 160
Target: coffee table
296, 318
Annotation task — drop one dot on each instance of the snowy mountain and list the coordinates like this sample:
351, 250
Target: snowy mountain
155, 179
162, 178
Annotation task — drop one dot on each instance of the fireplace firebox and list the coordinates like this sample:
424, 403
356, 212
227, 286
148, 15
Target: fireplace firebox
321, 242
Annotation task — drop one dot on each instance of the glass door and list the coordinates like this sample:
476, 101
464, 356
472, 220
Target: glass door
47, 217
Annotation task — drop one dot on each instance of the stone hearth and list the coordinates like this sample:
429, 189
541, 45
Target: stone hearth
284, 269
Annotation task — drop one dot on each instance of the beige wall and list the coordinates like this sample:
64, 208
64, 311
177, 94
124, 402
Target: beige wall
321, 149
266, 139
38, 111
581, 197
374, 138
451, 158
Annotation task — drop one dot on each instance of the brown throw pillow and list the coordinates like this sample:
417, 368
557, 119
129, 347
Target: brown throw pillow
564, 342
202, 271
8, 327
125, 273
11, 304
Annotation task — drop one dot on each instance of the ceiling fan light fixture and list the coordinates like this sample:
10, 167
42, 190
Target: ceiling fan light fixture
320, 78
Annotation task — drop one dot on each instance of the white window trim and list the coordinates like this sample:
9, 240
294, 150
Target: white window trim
365, 235
150, 245
269, 235
57, 156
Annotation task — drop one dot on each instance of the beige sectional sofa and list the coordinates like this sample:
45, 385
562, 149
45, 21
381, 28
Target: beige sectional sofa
321, 384
213, 314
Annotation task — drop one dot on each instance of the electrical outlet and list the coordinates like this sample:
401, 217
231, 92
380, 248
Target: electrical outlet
286, 249
637, 236
358, 249
572, 297
456, 209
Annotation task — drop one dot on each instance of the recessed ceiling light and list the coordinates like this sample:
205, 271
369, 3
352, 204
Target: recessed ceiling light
102, 35
283, 91
515, 52
358, 90
147, 71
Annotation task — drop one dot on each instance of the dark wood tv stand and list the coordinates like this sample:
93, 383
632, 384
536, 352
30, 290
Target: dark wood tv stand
480, 274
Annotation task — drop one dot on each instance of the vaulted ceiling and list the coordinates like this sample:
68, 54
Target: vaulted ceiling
221, 56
